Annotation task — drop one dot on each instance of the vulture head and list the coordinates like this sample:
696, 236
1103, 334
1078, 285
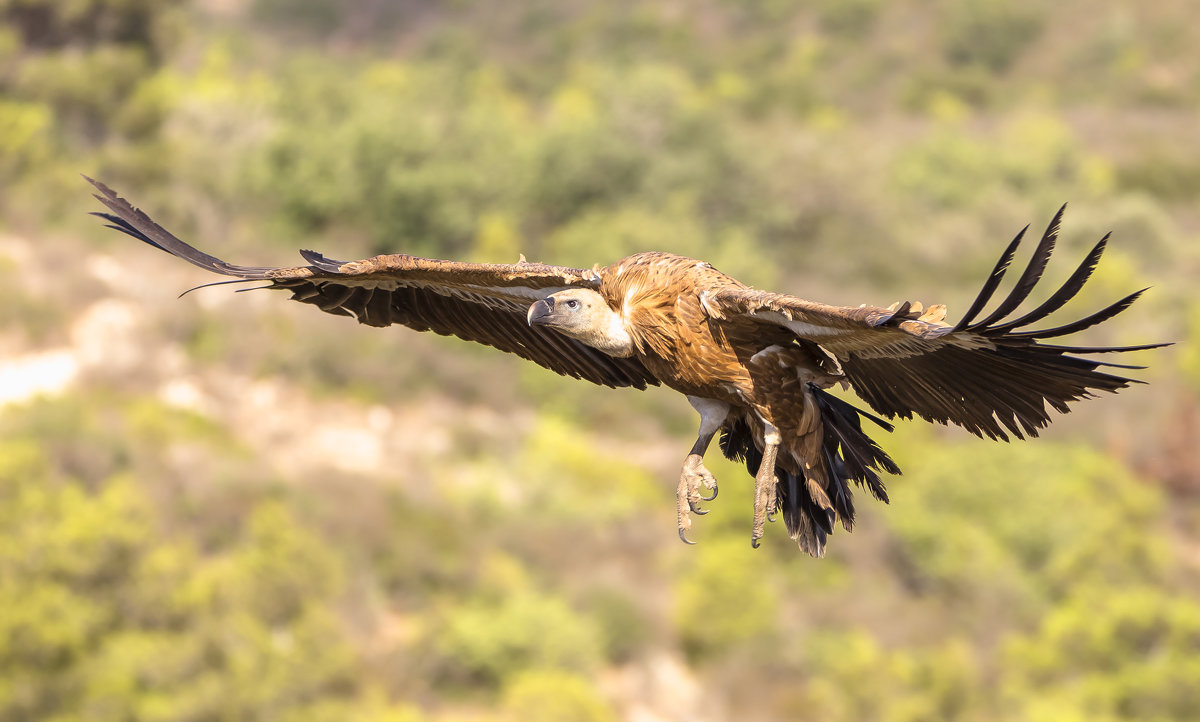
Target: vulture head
584, 315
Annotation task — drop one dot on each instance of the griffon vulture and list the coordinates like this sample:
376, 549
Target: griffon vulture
754, 364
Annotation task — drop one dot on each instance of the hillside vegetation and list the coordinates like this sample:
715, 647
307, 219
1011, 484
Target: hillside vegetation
229, 507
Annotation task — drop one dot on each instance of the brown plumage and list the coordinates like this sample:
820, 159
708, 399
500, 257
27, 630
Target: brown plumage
754, 364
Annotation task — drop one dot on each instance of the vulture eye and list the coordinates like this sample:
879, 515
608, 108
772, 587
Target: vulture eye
572, 303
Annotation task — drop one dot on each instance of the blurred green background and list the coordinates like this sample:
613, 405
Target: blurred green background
229, 507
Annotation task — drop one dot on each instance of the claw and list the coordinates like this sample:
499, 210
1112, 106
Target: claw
771, 516
697, 510
683, 537
714, 494
753, 541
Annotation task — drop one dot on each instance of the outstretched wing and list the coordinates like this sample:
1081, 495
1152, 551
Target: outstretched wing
478, 302
992, 376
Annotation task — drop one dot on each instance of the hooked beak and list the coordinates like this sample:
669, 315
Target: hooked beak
540, 311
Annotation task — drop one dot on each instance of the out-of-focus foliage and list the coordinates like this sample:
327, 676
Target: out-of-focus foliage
1017, 543
77, 78
1110, 653
229, 508
490, 640
1191, 356
725, 598
111, 615
554, 697
905, 686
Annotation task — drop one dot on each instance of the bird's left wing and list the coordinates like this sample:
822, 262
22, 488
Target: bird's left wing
485, 303
990, 376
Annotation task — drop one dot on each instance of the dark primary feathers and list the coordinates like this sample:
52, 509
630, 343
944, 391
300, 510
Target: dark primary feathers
485, 303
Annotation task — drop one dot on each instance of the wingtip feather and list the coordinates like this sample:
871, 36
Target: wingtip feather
993, 281
1029, 277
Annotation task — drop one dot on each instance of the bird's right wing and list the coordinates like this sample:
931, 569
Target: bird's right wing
481, 302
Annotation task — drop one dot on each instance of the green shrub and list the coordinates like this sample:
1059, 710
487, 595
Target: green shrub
990, 33
998, 522
1112, 654
111, 613
489, 641
1162, 174
906, 685
725, 599
626, 628
850, 18
597, 493
554, 696
26, 136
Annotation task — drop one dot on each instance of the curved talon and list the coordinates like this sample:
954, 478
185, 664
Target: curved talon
753, 540
697, 510
710, 498
684, 538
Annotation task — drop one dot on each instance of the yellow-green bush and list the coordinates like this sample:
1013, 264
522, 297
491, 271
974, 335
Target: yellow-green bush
109, 613
1112, 654
999, 523
724, 598
849, 676
552, 696
489, 641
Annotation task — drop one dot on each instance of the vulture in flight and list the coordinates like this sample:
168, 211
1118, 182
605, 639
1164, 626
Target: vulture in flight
754, 364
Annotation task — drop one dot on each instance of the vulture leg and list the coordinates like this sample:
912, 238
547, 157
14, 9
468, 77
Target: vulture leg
764, 484
772, 499
694, 475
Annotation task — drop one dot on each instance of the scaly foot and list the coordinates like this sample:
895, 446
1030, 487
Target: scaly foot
764, 491
691, 478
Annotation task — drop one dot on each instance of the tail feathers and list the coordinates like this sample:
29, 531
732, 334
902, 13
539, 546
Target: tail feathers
822, 512
737, 444
843, 498
809, 509
809, 524
808, 512
847, 443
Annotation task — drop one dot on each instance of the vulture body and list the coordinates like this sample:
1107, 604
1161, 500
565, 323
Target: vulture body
754, 364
